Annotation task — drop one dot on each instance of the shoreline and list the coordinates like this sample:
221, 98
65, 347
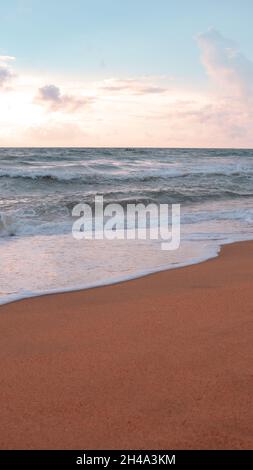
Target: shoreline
113, 282
159, 361
215, 253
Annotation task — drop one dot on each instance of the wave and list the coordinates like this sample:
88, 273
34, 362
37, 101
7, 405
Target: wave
49, 218
102, 176
39, 187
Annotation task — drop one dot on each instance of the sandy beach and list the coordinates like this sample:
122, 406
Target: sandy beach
160, 362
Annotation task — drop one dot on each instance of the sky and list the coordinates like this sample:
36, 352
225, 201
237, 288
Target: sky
146, 73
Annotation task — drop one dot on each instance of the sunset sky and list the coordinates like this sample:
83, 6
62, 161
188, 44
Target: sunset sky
126, 73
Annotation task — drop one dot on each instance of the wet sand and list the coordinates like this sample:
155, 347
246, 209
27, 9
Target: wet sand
161, 362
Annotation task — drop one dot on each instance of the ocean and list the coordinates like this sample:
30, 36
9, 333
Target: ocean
40, 186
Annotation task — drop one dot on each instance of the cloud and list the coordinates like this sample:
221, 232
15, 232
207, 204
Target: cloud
132, 86
225, 64
229, 111
50, 93
51, 96
6, 73
140, 111
6, 58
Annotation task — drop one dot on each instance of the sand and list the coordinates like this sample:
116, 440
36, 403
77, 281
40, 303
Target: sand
161, 362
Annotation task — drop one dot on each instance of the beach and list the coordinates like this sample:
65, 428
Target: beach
159, 362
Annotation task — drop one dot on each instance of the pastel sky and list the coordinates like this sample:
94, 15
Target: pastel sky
126, 73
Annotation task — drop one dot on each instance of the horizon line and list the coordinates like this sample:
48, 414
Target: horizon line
122, 147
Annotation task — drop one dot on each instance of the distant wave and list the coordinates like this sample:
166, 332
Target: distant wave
98, 177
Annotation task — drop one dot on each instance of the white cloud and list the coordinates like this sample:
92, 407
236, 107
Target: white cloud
7, 58
225, 64
51, 96
141, 86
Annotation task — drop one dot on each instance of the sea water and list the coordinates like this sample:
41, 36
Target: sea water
40, 186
